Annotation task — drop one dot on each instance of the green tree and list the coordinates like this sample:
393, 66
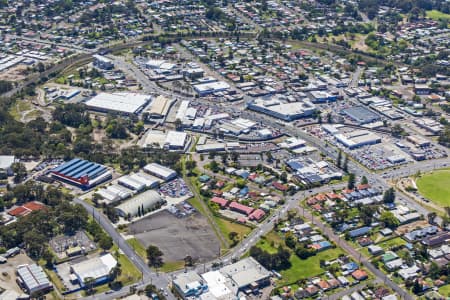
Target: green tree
389, 220
154, 256
339, 159
105, 242
389, 195
364, 180
233, 236
345, 166
190, 166
351, 181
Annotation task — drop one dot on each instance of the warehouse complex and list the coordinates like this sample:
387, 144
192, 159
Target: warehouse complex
246, 275
159, 171
159, 107
140, 204
361, 115
97, 268
287, 111
33, 279
358, 138
123, 103
81, 173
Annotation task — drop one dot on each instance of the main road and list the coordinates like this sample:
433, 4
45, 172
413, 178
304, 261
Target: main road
161, 280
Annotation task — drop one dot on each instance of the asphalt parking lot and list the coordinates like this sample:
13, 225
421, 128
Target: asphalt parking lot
177, 237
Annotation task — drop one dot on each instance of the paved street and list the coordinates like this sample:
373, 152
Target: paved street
161, 280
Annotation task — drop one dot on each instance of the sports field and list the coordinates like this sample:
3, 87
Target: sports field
436, 186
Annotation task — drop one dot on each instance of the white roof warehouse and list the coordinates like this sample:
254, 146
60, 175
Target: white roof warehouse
33, 279
124, 103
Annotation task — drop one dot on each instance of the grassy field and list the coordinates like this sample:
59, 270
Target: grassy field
300, 268
171, 266
437, 15
391, 243
445, 290
137, 247
129, 273
226, 227
435, 186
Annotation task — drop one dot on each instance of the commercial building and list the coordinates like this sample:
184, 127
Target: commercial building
81, 173
175, 140
360, 114
103, 62
322, 97
204, 89
159, 171
189, 284
358, 138
123, 103
6, 162
287, 111
98, 268
247, 274
114, 193
33, 279
140, 204
159, 107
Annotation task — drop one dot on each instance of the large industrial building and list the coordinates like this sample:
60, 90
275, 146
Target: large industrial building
361, 115
103, 62
138, 182
159, 171
33, 279
97, 268
159, 107
175, 140
246, 275
123, 103
6, 162
81, 173
358, 138
141, 203
287, 111
204, 89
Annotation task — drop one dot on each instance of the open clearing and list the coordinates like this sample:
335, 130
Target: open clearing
177, 237
437, 15
300, 268
436, 186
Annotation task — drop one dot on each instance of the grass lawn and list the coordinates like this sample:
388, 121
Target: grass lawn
226, 227
129, 273
300, 268
171, 266
435, 186
437, 15
138, 248
310, 267
392, 242
445, 290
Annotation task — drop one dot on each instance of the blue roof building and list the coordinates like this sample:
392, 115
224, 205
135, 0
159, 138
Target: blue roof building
359, 231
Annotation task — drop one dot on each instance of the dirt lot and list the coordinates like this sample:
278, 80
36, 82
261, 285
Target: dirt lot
410, 227
177, 237
8, 272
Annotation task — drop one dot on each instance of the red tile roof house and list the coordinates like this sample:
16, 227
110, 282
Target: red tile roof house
359, 275
323, 285
312, 290
222, 202
334, 283
363, 187
243, 209
26, 209
257, 215
280, 186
